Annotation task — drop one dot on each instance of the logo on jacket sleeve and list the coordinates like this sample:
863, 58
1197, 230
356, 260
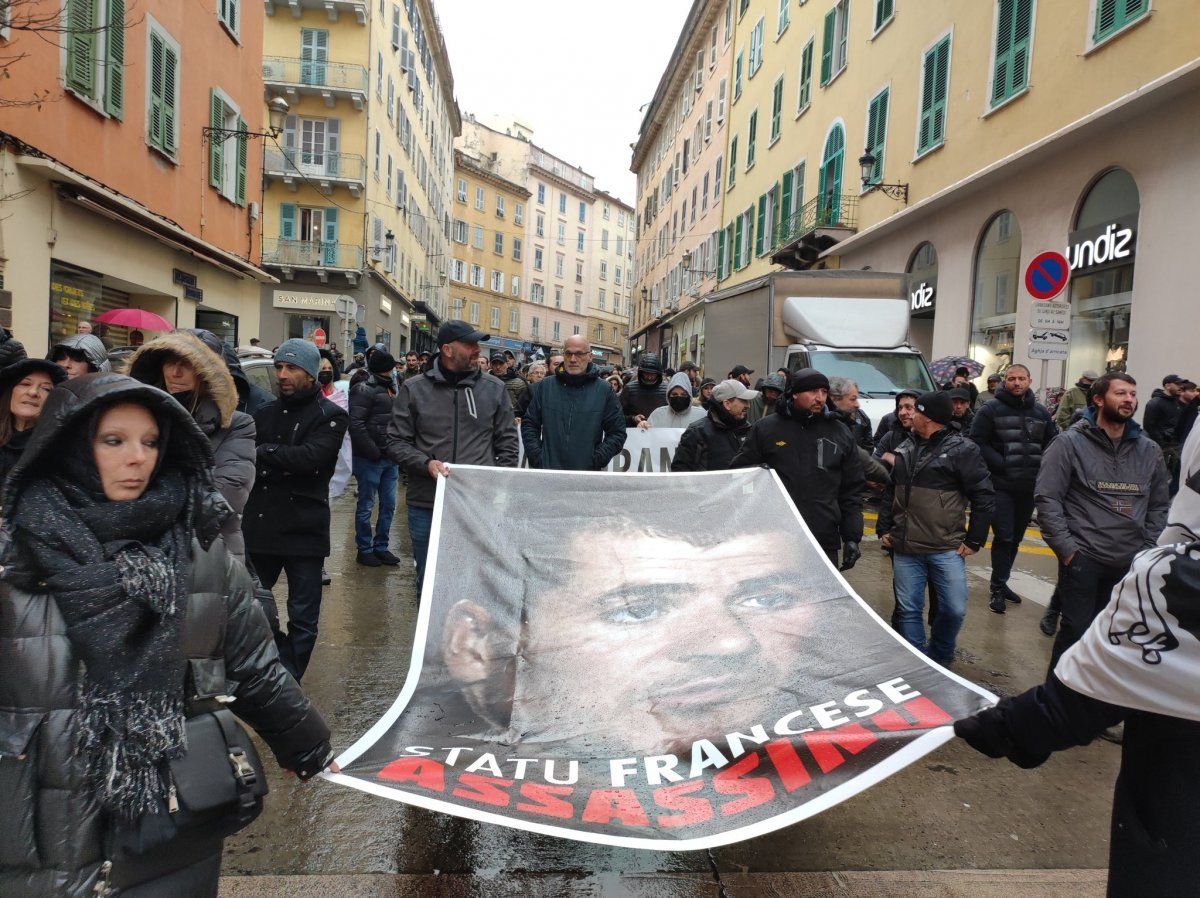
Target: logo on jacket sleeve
781, 442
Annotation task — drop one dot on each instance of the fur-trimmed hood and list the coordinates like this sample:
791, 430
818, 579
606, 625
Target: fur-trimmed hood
146, 365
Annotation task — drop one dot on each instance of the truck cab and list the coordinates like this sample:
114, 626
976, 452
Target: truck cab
863, 339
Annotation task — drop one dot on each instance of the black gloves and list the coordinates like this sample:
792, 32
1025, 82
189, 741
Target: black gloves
850, 555
987, 733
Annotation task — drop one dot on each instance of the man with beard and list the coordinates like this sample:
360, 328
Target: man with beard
645, 394
711, 443
286, 520
889, 439
1102, 497
843, 401
573, 422
818, 462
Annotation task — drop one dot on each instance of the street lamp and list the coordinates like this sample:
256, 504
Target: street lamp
896, 191
645, 293
277, 110
687, 266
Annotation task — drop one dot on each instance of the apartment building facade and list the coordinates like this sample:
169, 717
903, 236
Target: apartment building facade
956, 143
487, 232
359, 182
610, 297
115, 191
679, 162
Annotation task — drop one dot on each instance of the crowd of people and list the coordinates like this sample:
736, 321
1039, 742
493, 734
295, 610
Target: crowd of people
156, 508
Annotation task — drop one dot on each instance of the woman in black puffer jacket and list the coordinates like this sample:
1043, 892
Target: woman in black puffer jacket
111, 540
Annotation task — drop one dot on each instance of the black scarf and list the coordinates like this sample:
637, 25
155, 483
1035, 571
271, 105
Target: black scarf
119, 574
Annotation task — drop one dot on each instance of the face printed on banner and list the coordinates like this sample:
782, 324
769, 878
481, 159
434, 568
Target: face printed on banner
651, 638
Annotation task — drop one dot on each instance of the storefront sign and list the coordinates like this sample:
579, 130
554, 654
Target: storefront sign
1113, 243
314, 302
193, 293
385, 305
183, 277
923, 297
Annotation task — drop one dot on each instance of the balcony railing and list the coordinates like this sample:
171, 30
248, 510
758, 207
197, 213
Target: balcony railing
311, 254
329, 79
831, 211
324, 170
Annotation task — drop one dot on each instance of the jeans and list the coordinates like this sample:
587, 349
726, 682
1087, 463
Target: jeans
1010, 519
420, 523
374, 477
303, 604
949, 574
1084, 588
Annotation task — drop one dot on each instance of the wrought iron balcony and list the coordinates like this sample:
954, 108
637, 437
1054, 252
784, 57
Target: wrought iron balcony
314, 256
294, 77
331, 7
817, 225
322, 170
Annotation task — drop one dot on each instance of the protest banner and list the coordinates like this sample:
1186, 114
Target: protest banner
631, 666
644, 450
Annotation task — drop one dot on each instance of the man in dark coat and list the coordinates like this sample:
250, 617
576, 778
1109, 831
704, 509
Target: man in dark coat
375, 473
1012, 432
12, 350
843, 402
1162, 412
642, 396
573, 422
938, 474
286, 522
505, 371
817, 460
962, 412
711, 443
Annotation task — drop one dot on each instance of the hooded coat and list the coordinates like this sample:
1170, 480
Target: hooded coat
1161, 417
12, 350
90, 345
573, 422
710, 443
230, 432
641, 399
1137, 663
665, 416
250, 397
53, 835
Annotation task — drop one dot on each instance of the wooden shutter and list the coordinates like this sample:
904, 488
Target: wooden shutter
216, 142
806, 59
240, 180
737, 243
785, 199
114, 60
827, 46
81, 46
761, 229
720, 257
330, 236
776, 215
154, 115
290, 140
170, 112
883, 12
934, 86
287, 221
1014, 25
333, 142
941, 87
877, 133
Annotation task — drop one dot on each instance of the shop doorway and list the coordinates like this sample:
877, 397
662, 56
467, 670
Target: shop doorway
224, 325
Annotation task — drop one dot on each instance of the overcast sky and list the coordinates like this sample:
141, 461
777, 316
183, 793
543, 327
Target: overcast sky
575, 72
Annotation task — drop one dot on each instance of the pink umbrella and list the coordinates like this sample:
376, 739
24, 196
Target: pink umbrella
136, 318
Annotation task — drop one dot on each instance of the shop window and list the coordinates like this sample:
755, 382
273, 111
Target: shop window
1101, 250
994, 297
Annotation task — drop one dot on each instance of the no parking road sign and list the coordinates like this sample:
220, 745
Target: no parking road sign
1046, 275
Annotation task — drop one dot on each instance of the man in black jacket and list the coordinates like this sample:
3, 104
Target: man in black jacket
286, 521
711, 443
644, 395
1162, 412
843, 401
370, 414
938, 473
817, 460
1012, 431
12, 350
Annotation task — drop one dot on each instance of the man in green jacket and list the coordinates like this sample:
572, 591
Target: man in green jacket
1074, 400
574, 421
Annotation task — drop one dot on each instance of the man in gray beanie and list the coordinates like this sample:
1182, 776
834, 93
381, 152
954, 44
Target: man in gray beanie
286, 521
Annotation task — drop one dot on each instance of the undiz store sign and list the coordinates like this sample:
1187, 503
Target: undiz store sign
1102, 246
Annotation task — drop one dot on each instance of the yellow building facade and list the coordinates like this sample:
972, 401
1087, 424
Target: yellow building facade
487, 233
611, 284
358, 184
991, 132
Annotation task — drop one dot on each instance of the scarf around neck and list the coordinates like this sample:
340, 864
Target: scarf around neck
118, 572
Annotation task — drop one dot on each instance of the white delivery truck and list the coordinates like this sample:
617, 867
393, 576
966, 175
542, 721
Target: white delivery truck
843, 323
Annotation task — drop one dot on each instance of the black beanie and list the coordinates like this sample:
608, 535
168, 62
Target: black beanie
381, 362
806, 379
936, 406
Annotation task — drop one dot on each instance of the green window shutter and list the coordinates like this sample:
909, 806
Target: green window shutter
883, 12
170, 111
114, 60
733, 161
776, 215
761, 229
154, 115
877, 133
934, 87
216, 142
1113, 15
287, 221
785, 199
81, 46
827, 46
1014, 25
737, 244
721, 256
806, 59
242, 140
751, 139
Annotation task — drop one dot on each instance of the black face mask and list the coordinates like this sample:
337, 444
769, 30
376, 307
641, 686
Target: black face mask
679, 403
325, 377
